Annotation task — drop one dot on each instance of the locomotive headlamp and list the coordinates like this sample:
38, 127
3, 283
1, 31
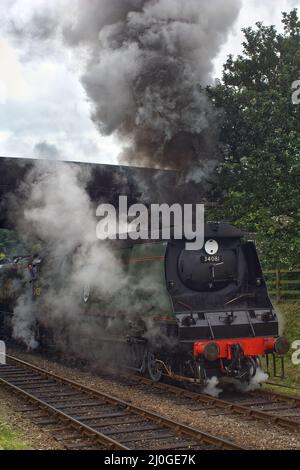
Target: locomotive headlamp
211, 247
211, 352
281, 346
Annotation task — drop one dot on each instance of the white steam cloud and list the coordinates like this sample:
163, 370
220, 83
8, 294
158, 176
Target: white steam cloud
211, 388
87, 293
255, 382
58, 215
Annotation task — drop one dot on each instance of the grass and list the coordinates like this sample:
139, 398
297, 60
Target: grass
10, 439
291, 329
290, 319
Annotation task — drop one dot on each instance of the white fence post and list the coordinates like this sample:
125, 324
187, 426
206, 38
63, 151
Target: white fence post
2, 353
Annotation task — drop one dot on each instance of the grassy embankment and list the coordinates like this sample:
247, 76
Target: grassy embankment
291, 329
290, 313
11, 440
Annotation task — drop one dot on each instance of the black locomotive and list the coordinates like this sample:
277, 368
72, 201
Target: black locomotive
207, 315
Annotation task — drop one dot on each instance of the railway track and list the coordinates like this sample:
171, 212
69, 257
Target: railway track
292, 388
263, 405
83, 418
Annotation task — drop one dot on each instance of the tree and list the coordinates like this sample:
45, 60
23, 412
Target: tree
11, 245
258, 183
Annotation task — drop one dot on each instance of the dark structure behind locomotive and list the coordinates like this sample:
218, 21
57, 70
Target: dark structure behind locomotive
106, 183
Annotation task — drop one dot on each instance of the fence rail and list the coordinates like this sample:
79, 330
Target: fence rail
284, 284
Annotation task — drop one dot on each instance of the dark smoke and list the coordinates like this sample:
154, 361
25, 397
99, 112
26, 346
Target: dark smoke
146, 65
150, 62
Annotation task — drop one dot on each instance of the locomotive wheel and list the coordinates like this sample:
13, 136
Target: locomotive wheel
153, 369
252, 365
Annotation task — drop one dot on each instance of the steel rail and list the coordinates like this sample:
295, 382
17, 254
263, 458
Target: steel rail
278, 396
178, 428
108, 442
280, 385
236, 408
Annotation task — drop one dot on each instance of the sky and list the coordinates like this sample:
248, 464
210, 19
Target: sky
43, 107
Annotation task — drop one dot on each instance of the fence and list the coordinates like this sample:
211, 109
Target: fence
283, 284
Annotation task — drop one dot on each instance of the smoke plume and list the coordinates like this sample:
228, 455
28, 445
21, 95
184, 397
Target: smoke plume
146, 64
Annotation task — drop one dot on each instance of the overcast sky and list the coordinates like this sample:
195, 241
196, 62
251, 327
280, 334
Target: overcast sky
43, 109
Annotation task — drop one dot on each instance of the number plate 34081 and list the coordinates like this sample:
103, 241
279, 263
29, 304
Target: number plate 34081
211, 259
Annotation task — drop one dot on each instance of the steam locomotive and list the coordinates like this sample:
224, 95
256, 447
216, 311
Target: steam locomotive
210, 315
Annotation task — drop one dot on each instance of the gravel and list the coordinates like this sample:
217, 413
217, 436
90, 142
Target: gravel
248, 433
33, 436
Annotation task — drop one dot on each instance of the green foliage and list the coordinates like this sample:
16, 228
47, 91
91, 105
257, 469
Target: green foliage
11, 245
258, 183
290, 315
10, 440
